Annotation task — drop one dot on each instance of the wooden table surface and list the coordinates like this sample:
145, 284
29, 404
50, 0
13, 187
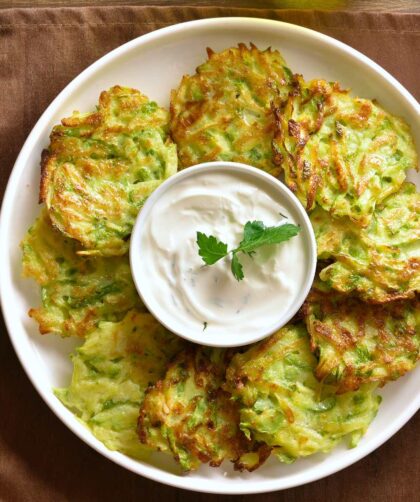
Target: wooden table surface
351, 5
35, 455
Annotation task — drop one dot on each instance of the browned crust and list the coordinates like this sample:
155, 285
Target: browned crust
321, 305
314, 183
262, 450
386, 294
300, 176
46, 158
70, 325
184, 115
206, 376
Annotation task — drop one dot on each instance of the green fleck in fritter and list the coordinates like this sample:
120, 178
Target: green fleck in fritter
342, 153
77, 291
100, 167
189, 415
359, 343
224, 110
111, 372
284, 405
379, 263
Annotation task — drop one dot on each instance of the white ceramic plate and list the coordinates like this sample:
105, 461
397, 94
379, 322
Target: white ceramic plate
154, 64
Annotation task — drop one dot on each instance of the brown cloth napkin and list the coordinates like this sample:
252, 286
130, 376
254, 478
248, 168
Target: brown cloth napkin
41, 50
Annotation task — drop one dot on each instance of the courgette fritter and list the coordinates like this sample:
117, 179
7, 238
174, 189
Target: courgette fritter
379, 263
189, 415
359, 343
100, 167
342, 153
111, 372
76, 291
223, 111
284, 405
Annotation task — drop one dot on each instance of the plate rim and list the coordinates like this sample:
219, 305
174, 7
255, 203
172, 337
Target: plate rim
149, 471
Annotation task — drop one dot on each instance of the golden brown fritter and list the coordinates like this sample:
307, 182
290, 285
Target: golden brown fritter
380, 263
342, 153
358, 343
223, 111
284, 405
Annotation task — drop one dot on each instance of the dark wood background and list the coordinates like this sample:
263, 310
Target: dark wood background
41, 460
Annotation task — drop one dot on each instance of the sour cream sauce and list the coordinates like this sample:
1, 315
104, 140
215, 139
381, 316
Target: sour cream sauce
208, 298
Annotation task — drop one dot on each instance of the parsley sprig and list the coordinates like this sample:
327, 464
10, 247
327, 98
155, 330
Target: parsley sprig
256, 234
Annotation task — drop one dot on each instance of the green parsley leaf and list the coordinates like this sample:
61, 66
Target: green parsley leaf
256, 234
210, 248
236, 267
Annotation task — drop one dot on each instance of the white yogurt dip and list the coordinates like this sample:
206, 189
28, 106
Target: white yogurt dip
207, 300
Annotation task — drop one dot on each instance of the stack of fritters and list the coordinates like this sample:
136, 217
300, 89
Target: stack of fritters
77, 291
346, 159
95, 175
310, 385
